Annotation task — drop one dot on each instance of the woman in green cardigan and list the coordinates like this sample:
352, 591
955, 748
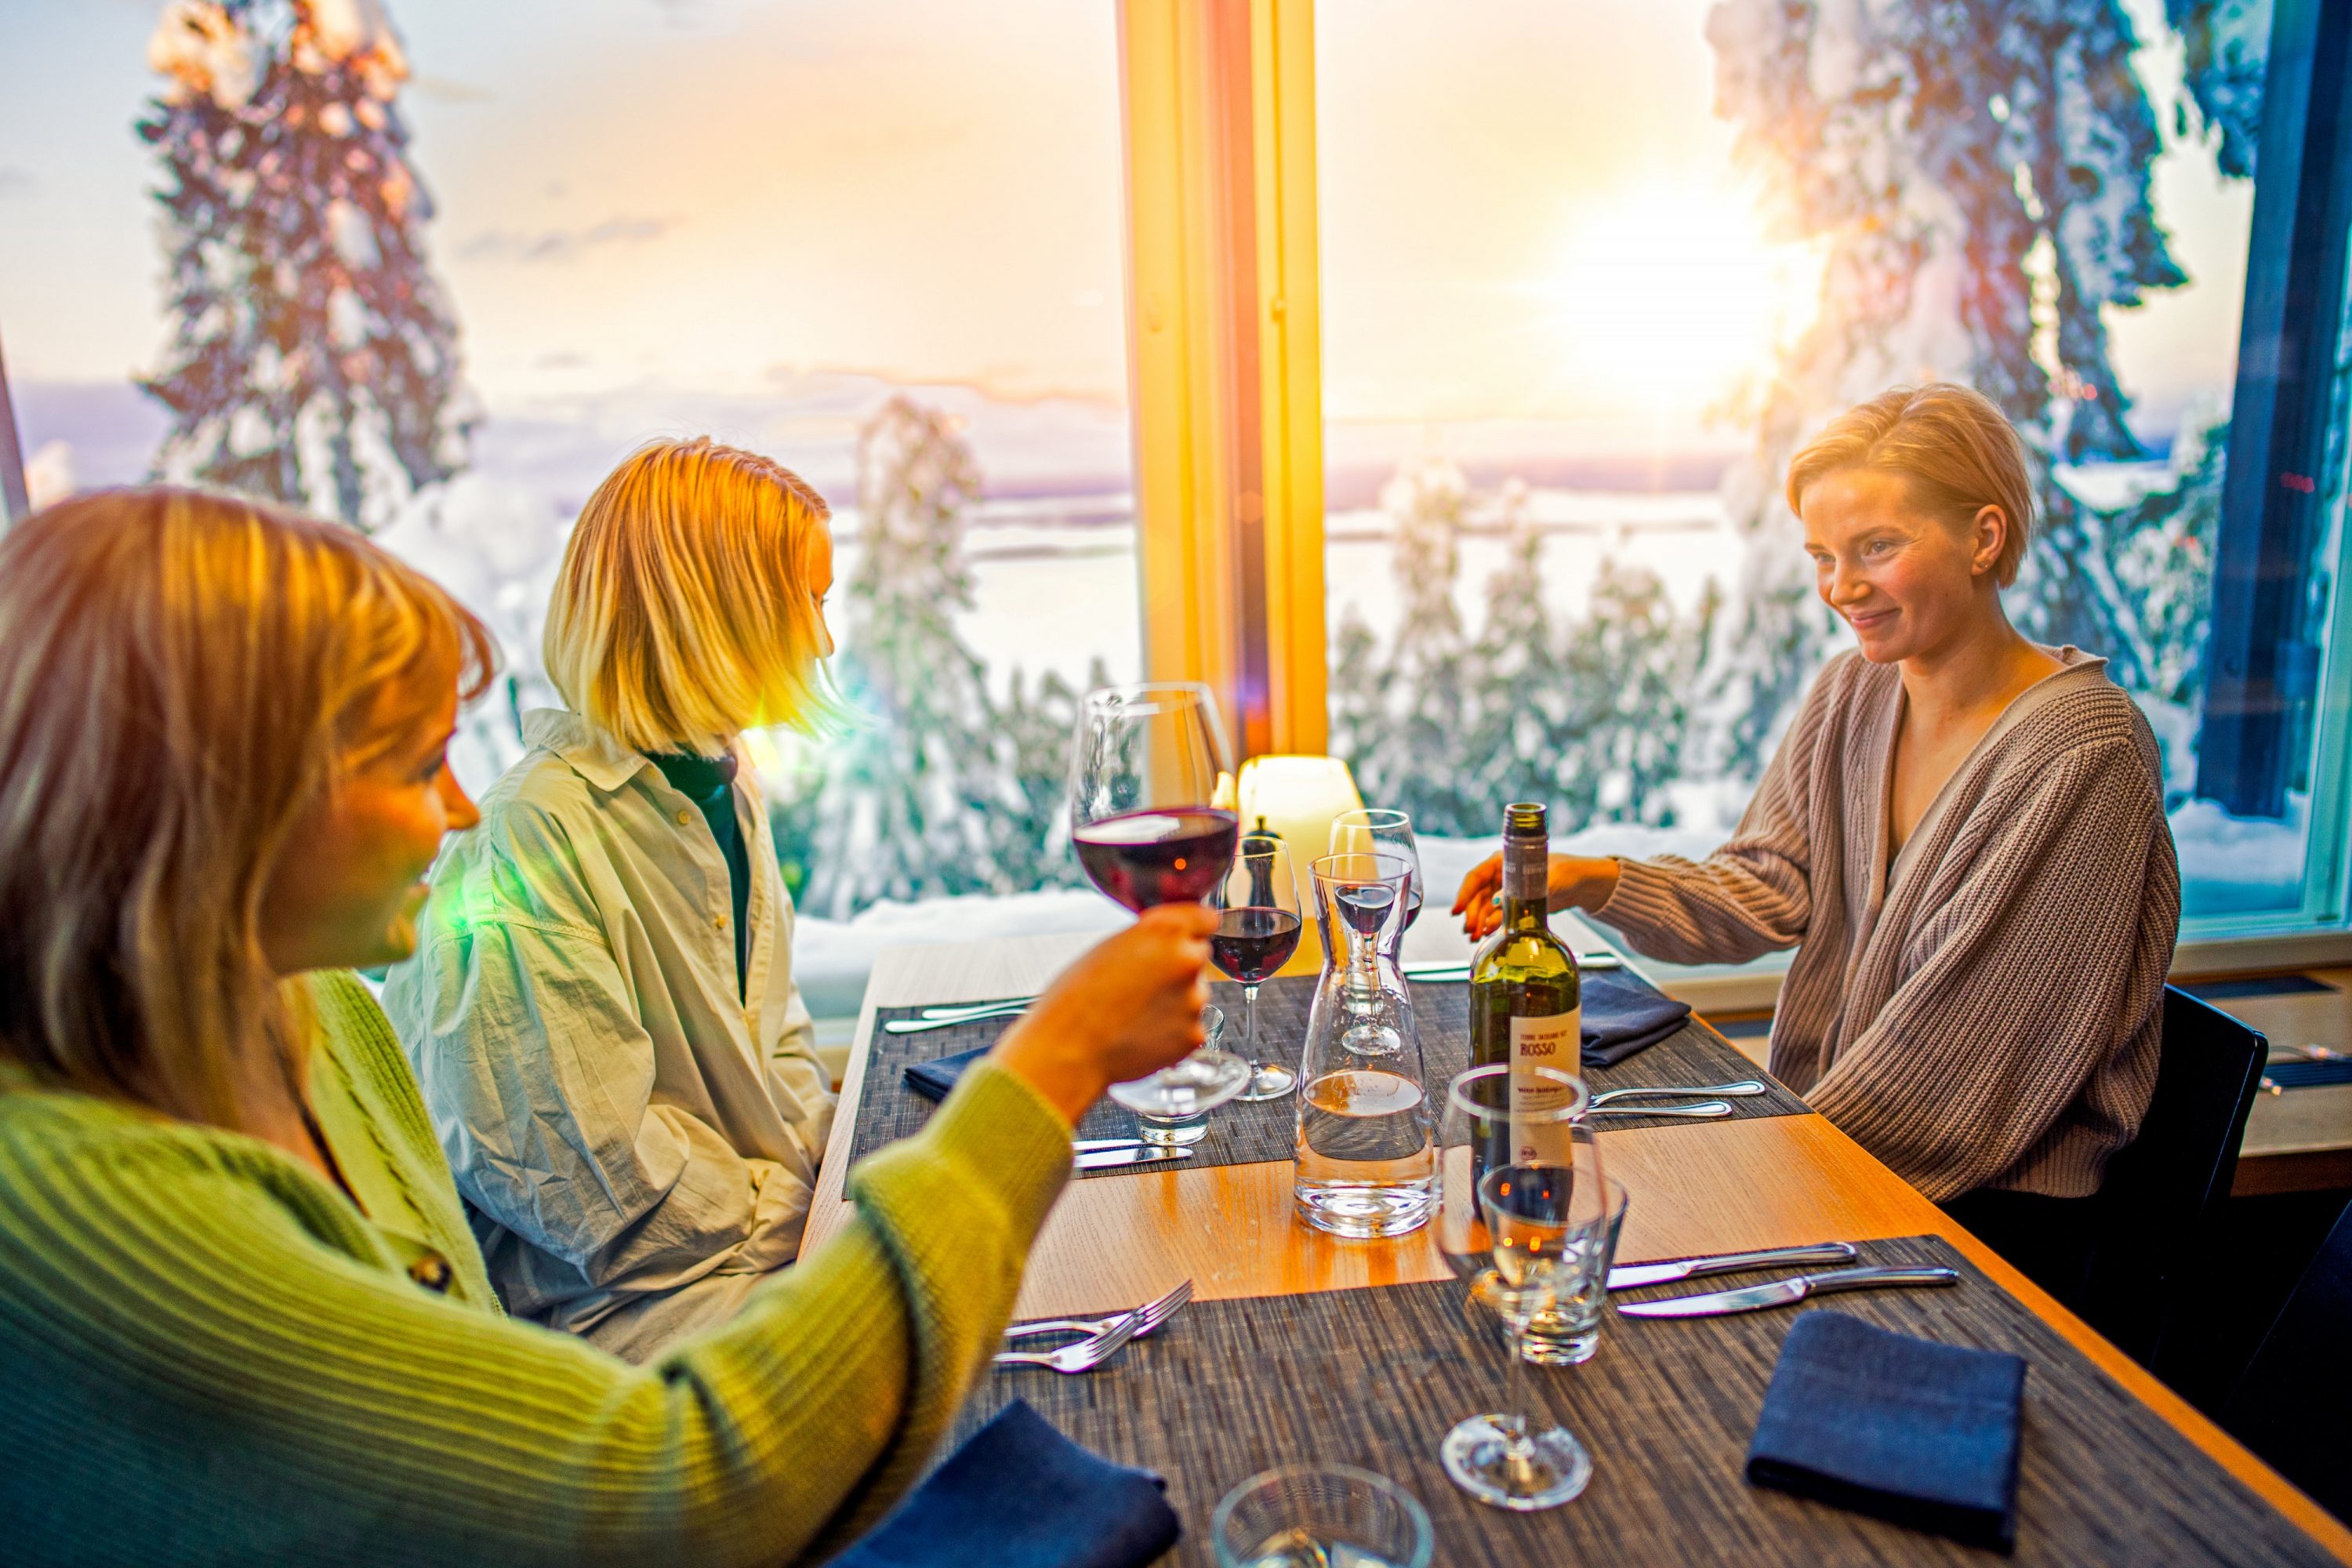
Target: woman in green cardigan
240, 1318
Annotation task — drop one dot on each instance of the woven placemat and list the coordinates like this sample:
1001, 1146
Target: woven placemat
1244, 1132
1375, 1377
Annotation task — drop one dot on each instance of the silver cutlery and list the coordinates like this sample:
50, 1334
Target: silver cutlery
916, 1025
1627, 1276
1785, 1293
963, 1009
1141, 1155
1088, 1145
1078, 1355
1148, 1316
1745, 1089
1695, 1111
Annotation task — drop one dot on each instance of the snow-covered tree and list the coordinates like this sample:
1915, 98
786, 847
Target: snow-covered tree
313, 358
1980, 172
902, 812
1589, 715
1425, 701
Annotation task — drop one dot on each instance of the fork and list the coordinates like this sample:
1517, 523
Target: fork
1151, 1313
1079, 1355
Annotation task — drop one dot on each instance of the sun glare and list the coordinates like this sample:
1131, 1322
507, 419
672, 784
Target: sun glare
1675, 295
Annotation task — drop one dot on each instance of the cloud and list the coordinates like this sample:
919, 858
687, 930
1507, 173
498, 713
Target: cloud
564, 244
14, 181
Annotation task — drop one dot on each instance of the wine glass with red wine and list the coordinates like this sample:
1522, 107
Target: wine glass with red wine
1258, 926
1378, 831
1149, 765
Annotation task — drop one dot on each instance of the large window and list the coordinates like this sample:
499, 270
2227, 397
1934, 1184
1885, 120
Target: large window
1593, 273
880, 242
1558, 287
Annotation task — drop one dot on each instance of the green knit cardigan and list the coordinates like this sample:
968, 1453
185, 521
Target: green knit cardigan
212, 1356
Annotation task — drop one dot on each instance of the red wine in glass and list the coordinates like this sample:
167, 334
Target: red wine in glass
1411, 902
1144, 859
1252, 943
1366, 905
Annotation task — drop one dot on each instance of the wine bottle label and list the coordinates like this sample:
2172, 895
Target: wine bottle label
1554, 1041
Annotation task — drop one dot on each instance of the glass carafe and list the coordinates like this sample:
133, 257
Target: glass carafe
1367, 1144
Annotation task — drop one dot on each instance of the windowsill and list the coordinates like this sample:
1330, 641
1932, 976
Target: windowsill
1756, 987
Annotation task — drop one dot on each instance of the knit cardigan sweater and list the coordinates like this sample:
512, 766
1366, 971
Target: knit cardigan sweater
1985, 1010
213, 1357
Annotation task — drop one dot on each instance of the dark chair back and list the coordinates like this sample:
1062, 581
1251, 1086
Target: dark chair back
2164, 1191
2291, 1406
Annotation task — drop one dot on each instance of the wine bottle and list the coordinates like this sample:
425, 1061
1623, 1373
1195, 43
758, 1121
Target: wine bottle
1524, 1004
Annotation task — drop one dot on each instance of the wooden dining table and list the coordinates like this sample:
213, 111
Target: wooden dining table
1699, 1188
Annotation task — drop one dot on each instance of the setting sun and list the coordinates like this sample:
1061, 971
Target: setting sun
1675, 295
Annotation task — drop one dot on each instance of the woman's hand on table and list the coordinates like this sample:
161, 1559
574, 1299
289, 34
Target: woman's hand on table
1129, 1006
1573, 882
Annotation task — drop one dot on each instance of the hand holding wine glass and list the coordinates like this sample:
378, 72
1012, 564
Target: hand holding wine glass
1126, 1007
1148, 766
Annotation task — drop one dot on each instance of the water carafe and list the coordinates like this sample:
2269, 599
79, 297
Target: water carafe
1367, 1144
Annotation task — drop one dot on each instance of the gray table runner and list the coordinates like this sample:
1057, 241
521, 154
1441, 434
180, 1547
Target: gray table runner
1375, 1377
1244, 1133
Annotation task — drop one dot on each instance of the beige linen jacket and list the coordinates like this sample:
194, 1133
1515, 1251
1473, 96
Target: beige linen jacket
637, 1140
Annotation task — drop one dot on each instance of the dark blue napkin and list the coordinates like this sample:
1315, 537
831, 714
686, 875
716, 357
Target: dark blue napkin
1622, 1015
1021, 1495
932, 1080
1907, 1430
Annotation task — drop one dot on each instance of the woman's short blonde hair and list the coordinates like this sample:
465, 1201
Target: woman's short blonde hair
181, 675
1957, 451
683, 614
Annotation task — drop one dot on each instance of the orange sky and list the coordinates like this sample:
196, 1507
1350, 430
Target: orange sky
1528, 210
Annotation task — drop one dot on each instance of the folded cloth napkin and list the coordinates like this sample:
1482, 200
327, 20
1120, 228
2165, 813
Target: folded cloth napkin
1622, 1015
1920, 1434
932, 1080
1021, 1495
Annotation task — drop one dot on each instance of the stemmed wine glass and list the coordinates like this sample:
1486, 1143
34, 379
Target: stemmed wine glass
1378, 831
1148, 764
1258, 926
1523, 1215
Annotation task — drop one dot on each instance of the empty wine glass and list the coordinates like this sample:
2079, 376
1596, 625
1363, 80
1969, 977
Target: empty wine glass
1375, 830
1522, 1213
1148, 765
1258, 926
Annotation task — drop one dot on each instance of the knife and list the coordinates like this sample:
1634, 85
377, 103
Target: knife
1784, 1293
1110, 1159
1089, 1146
1626, 1276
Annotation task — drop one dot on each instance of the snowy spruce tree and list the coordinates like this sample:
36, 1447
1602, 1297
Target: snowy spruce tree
898, 815
939, 789
313, 358
1980, 172
1589, 715
1425, 701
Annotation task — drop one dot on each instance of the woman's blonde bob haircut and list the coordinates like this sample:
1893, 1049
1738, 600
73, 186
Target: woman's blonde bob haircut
682, 614
1956, 449
181, 676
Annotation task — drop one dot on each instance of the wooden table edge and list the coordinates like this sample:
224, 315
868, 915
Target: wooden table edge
828, 1210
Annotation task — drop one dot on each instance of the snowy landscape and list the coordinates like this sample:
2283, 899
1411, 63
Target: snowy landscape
1515, 608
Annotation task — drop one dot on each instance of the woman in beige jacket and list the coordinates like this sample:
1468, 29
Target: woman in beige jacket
1963, 837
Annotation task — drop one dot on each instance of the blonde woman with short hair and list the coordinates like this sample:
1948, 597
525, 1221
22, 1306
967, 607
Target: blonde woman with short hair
223, 735
602, 1011
1962, 836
